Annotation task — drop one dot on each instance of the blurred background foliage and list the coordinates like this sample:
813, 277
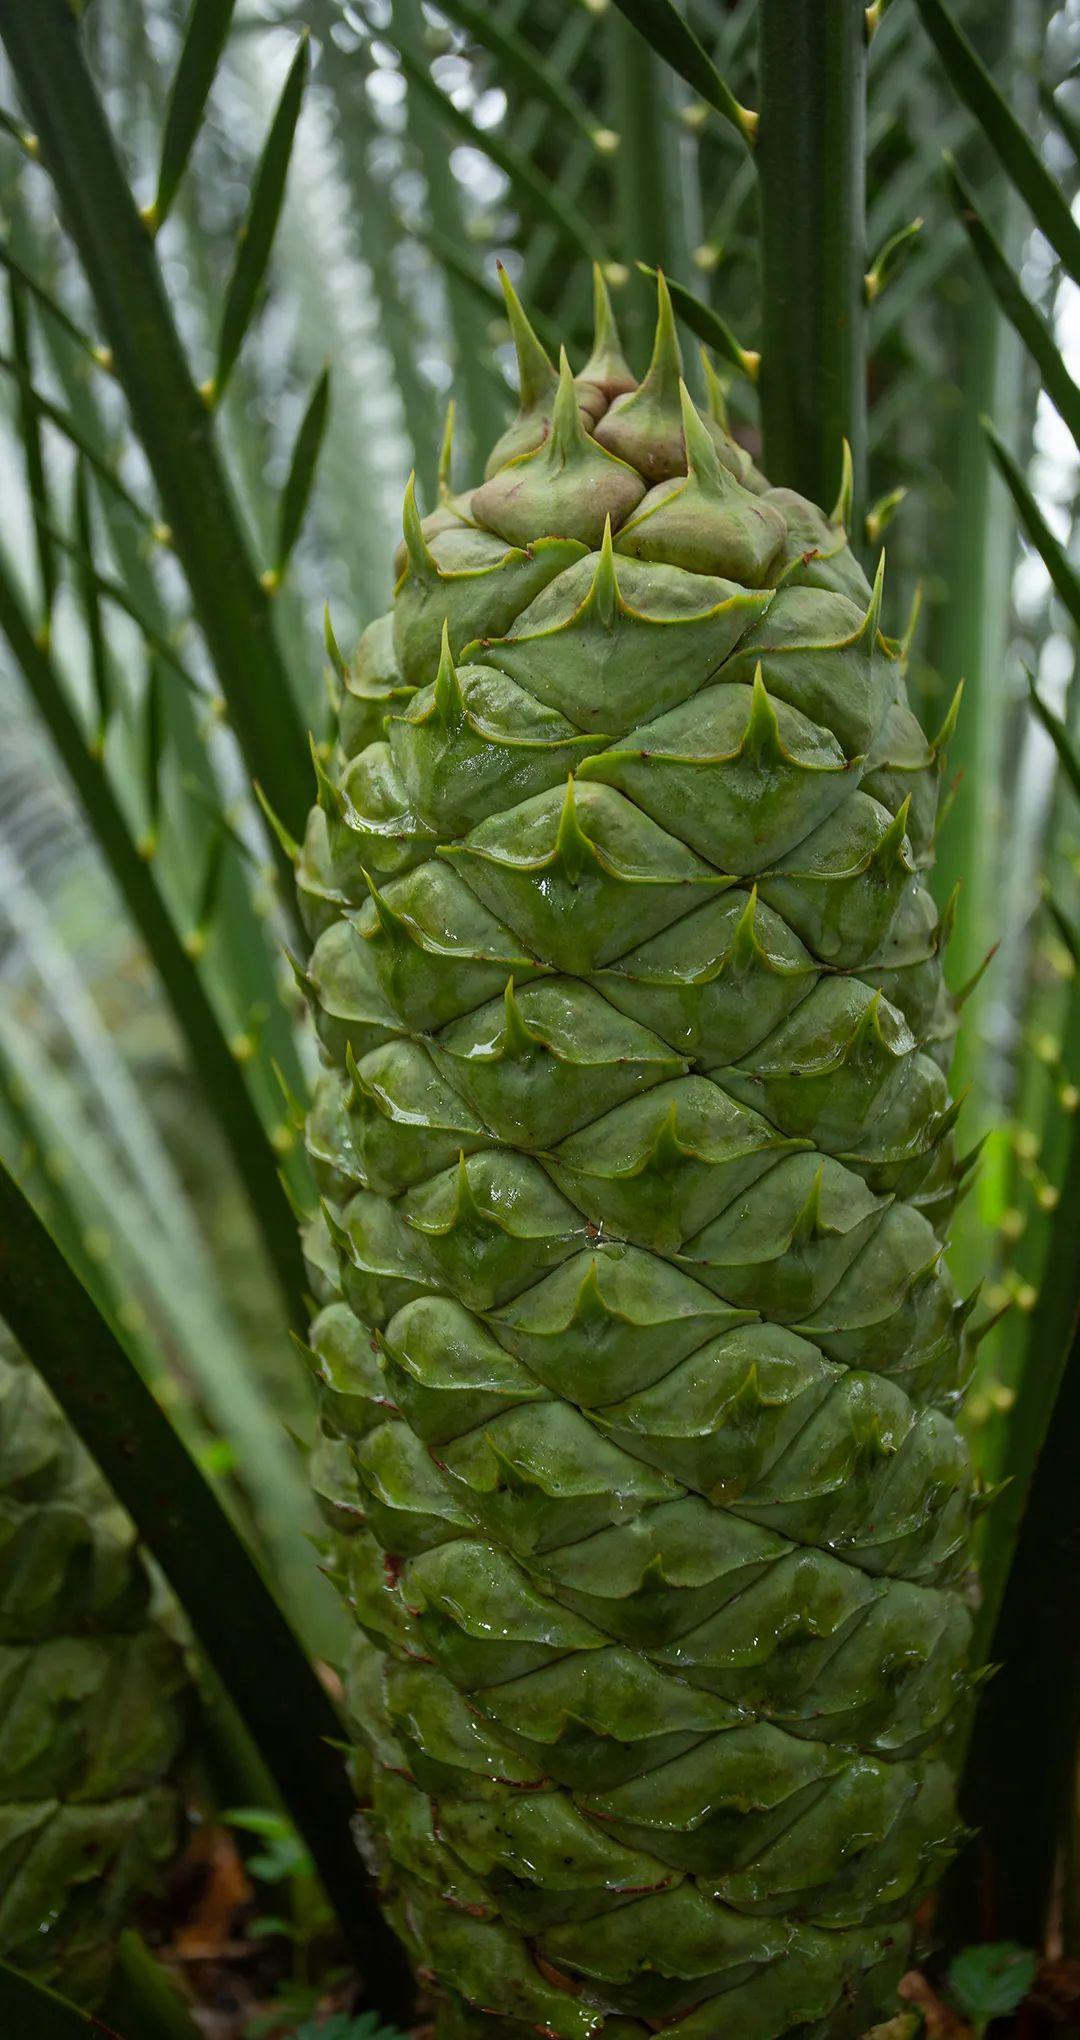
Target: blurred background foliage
154, 1055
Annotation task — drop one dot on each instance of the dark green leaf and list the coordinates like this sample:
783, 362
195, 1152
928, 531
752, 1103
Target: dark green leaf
235, 1617
33, 452
28, 2008
1003, 131
532, 189
206, 36
482, 406
451, 258
516, 58
710, 327
1062, 116
50, 304
1053, 555
145, 2001
91, 605
112, 590
171, 418
889, 258
305, 457
666, 32
210, 886
212, 1061
1017, 307
1023, 1748
1059, 736
259, 228
987, 1982
55, 415
16, 130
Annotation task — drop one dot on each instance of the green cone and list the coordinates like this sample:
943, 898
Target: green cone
93, 1703
638, 1360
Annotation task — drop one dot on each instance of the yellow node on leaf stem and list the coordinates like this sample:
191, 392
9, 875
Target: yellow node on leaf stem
749, 121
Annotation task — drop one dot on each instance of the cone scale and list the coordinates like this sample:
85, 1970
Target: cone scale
638, 1361
94, 1703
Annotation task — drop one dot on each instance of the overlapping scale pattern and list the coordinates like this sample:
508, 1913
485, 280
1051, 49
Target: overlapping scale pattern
94, 1703
638, 1358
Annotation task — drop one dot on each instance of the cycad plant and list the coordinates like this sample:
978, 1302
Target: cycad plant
631, 1165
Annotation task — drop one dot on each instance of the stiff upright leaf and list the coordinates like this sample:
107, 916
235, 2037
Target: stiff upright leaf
33, 452
889, 257
516, 58
1016, 305
305, 457
1003, 131
259, 228
135, 875
537, 193
1062, 117
206, 36
51, 305
232, 1611
91, 607
54, 414
710, 327
1052, 553
171, 418
1058, 733
670, 35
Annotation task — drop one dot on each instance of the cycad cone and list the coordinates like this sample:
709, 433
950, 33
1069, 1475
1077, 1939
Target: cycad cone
94, 1704
638, 1359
